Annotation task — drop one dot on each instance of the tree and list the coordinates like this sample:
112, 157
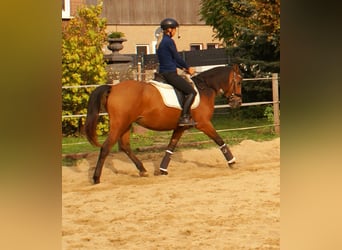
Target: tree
250, 29
236, 21
82, 63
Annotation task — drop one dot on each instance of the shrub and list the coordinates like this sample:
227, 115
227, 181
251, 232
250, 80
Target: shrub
116, 34
82, 63
268, 113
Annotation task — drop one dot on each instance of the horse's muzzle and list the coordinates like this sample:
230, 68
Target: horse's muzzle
234, 101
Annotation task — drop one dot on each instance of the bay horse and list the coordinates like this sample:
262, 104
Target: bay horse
136, 101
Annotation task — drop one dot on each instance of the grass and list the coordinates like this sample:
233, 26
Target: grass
157, 141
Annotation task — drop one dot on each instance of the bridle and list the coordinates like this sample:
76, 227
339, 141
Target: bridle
234, 82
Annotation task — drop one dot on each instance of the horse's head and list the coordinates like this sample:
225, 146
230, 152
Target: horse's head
216, 79
233, 93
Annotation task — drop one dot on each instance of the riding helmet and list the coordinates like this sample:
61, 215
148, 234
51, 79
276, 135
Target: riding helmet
169, 23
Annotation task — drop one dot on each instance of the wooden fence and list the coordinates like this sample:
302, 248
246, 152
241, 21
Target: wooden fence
275, 101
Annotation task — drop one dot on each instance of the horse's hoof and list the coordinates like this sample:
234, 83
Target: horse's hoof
232, 165
96, 180
231, 162
163, 172
143, 174
158, 172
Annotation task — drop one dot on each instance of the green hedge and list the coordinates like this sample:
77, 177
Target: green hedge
82, 64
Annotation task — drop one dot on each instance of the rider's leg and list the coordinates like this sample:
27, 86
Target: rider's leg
185, 118
180, 83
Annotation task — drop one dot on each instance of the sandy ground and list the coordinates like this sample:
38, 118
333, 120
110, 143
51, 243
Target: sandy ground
201, 204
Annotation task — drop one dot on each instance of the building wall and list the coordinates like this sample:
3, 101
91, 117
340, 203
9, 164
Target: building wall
70, 9
139, 20
145, 35
75, 4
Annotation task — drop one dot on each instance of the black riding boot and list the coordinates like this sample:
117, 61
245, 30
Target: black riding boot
185, 119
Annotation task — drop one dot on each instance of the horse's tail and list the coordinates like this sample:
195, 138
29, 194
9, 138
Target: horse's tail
97, 100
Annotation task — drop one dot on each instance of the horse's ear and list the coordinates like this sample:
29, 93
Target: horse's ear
236, 68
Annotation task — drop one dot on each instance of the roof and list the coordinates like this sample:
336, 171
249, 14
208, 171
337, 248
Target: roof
150, 12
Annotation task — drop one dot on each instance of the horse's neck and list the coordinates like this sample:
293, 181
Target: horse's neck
199, 82
203, 88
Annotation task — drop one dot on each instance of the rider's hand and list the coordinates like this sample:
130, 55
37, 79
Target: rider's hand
191, 70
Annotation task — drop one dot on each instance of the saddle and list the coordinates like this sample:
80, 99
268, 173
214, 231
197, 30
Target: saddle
172, 97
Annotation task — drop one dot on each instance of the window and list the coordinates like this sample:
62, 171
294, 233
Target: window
142, 49
212, 45
65, 9
195, 46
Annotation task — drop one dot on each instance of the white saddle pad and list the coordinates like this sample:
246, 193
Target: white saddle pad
169, 96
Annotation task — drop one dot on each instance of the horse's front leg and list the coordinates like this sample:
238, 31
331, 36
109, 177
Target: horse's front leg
176, 135
210, 131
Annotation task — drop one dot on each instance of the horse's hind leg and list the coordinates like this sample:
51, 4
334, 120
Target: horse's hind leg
105, 149
176, 135
125, 146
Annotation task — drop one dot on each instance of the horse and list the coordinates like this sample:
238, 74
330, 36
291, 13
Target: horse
139, 102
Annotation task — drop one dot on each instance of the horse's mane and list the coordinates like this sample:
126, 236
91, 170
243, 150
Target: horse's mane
212, 78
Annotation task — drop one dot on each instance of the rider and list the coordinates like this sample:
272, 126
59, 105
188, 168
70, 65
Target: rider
169, 61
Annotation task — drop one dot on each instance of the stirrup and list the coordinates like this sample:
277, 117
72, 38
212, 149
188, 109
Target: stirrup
186, 121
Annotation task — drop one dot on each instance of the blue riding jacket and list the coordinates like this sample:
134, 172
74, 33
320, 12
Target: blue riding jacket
169, 59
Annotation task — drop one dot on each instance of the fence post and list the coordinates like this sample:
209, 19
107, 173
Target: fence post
275, 88
139, 71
